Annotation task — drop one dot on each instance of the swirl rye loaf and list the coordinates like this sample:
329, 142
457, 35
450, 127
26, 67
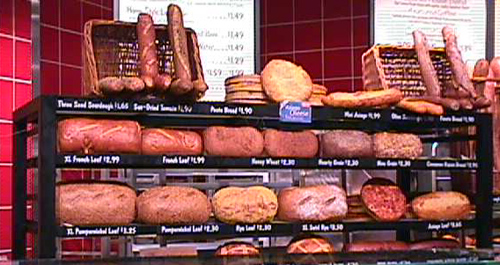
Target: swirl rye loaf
314, 203
95, 204
173, 205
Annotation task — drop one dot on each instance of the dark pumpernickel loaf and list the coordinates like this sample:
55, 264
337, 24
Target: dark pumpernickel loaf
173, 205
233, 141
346, 144
95, 204
290, 144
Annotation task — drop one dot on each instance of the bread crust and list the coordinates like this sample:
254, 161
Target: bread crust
441, 205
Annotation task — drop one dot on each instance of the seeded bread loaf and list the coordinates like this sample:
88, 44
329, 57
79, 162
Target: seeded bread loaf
397, 145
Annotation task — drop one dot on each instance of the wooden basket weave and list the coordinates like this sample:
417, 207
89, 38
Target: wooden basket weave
111, 48
387, 67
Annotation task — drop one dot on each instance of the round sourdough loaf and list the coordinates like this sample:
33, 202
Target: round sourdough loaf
173, 205
255, 204
283, 80
95, 204
314, 203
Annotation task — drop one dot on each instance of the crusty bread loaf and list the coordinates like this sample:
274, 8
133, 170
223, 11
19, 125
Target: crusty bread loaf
346, 144
290, 144
95, 204
88, 136
237, 249
374, 246
233, 142
397, 145
314, 203
179, 251
173, 205
314, 245
435, 243
171, 142
255, 204
441, 205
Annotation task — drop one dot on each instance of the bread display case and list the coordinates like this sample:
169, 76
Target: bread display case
258, 216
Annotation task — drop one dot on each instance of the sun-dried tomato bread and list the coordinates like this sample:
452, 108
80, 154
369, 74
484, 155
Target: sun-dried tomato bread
254, 204
233, 141
171, 142
346, 144
441, 205
92, 136
314, 203
173, 205
237, 249
374, 246
302, 144
95, 204
384, 202
310, 245
397, 145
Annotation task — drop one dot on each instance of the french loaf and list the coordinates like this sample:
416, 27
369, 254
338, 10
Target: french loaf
254, 204
441, 205
95, 204
290, 144
173, 205
90, 136
314, 203
171, 142
233, 141
397, 145
346, 144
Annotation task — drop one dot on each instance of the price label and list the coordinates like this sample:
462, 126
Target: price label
331, 163
183, 160
101, 231
252, 228
92, 159
189, 229
232, 110
496, 199
334, 227
437, 226
272, 162
457, 119
389, 163
359, 115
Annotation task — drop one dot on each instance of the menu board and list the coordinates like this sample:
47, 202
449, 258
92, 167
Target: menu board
225, 29
395, 20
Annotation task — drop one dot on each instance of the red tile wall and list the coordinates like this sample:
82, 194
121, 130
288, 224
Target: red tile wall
325, 37
15, 90
61, 33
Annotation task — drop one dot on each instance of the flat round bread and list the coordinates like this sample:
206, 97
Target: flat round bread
283, 80
247, 101
246, 95
317, 88
244, 88
242, 79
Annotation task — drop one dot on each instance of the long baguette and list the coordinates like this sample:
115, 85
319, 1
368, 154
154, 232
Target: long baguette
182, 83
429, 75
147, 50
199, 83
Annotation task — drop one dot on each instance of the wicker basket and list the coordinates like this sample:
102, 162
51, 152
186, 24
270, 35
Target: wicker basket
386, 67
111, 48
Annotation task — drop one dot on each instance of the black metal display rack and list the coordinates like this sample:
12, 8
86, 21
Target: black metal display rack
39, 118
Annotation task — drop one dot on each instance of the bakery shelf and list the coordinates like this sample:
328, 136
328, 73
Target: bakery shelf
219, 113
221, 230
148, 161
40, 117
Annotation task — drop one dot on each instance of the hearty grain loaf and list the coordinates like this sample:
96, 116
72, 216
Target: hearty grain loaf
314, 203
173, 205
95, 204
346, 144
255, 204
